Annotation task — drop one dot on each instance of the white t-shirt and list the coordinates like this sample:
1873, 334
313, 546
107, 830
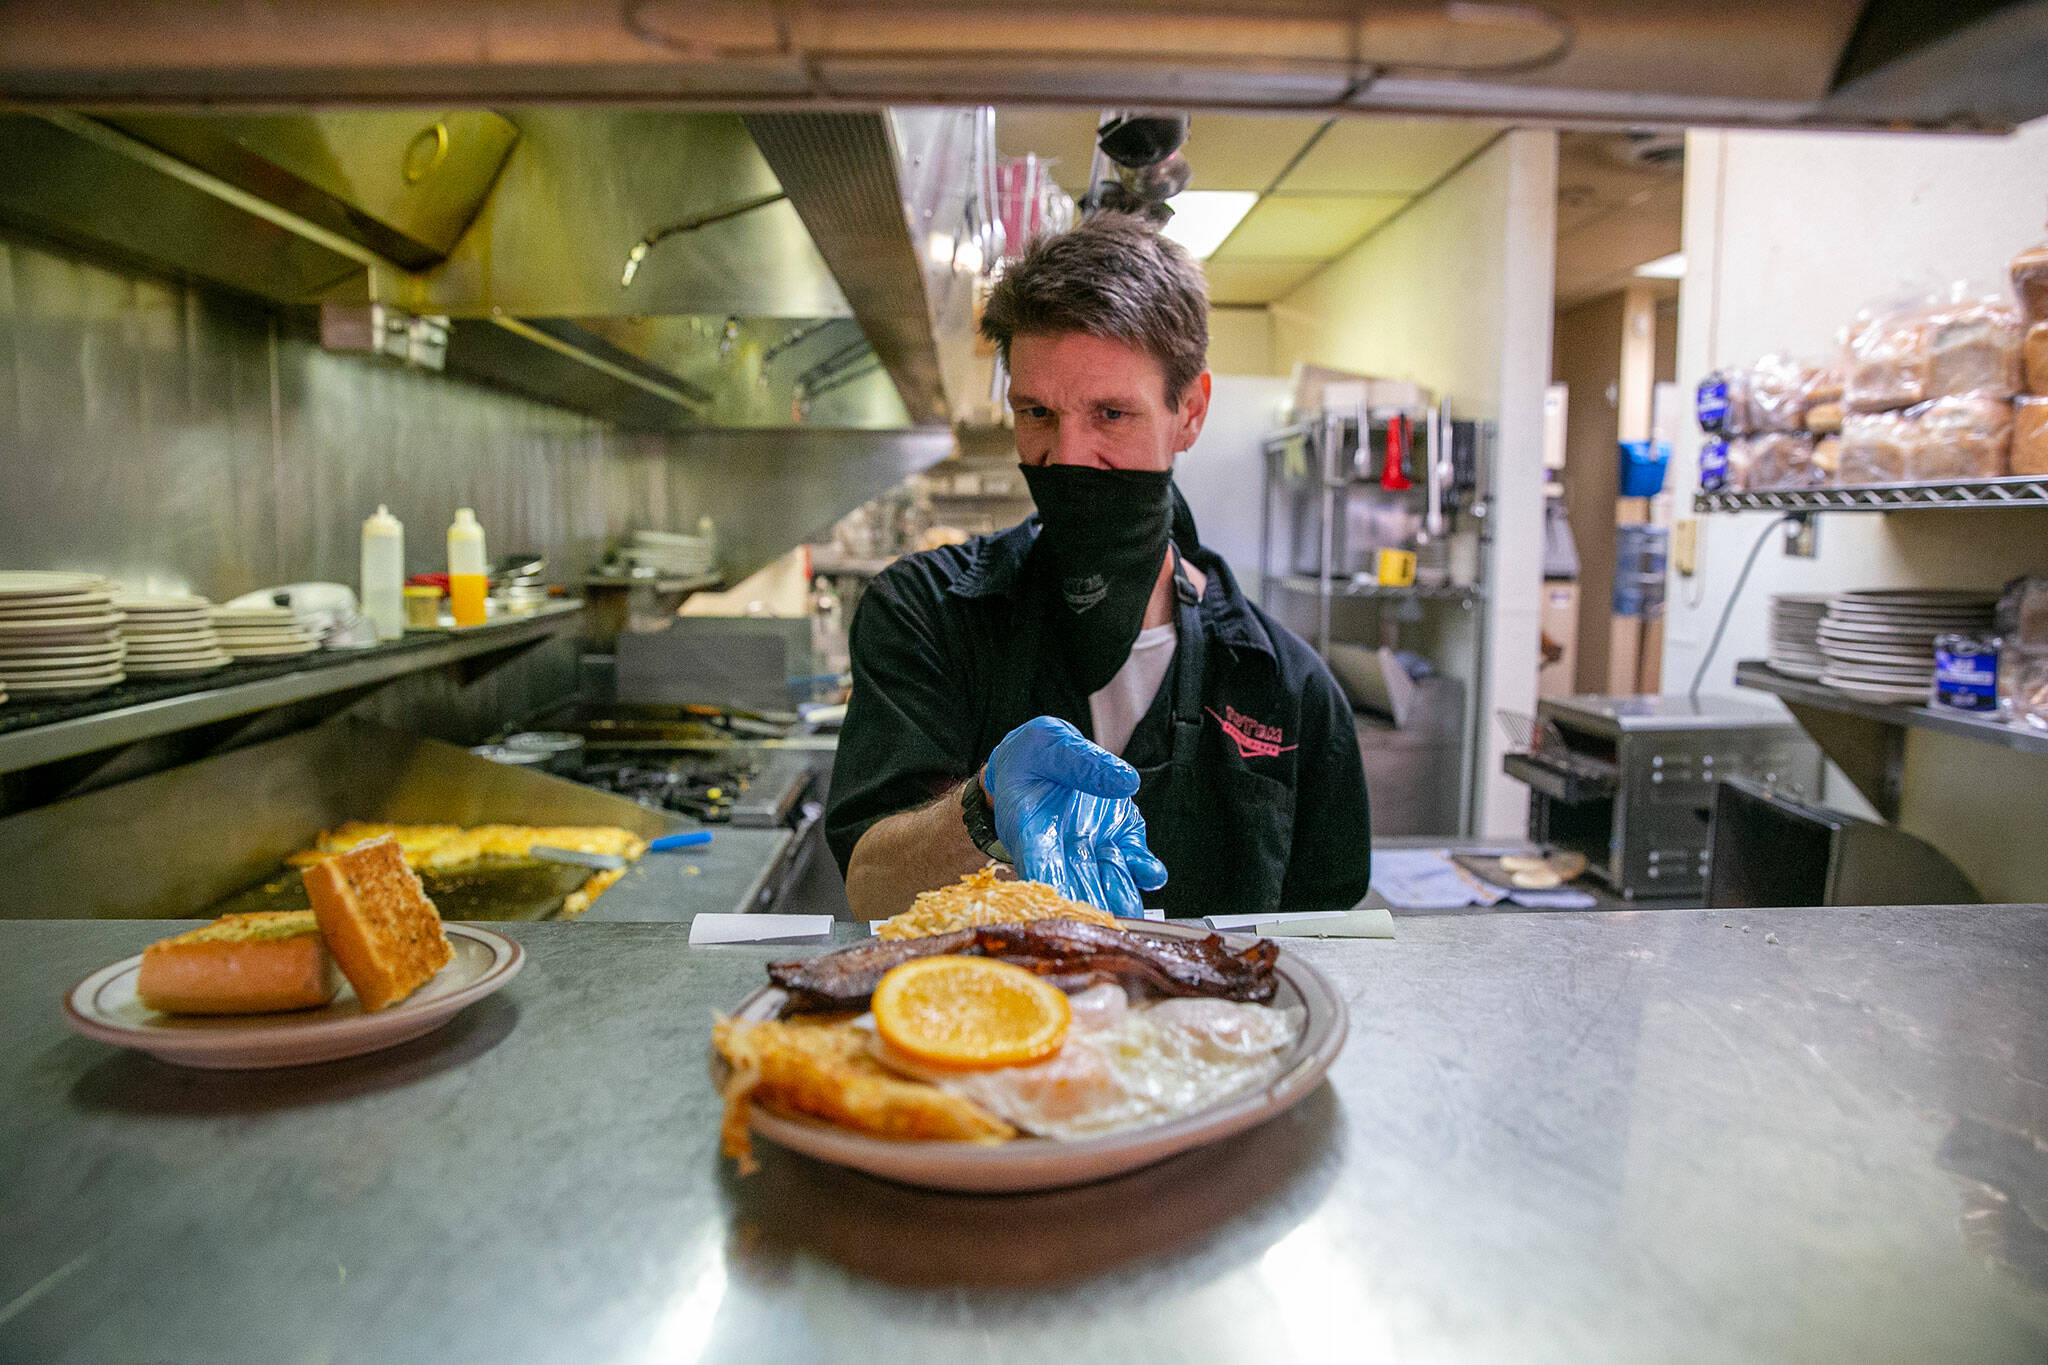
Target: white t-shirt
1116, 710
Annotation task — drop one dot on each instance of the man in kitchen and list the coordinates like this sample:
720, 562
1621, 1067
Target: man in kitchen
1089, 696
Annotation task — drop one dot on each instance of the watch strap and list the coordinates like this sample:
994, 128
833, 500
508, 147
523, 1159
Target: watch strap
980, 819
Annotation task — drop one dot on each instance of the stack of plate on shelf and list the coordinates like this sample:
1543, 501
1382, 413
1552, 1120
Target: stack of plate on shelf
670, 555
262, 632
60, 635
1795, 634
170, 634
1879, 642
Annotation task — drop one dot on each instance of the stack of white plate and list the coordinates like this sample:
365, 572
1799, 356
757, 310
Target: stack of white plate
1879, 642
670, 554
170, 634
1795, 634
60, 635
262, 632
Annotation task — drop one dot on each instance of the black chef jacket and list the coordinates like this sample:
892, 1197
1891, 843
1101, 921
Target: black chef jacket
1268, 810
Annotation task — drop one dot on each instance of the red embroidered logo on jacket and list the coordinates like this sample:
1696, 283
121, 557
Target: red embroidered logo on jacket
1253, 739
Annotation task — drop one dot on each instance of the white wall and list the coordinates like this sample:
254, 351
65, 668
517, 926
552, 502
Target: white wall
1241, 339
1786, 236
1223, 474
1455, 294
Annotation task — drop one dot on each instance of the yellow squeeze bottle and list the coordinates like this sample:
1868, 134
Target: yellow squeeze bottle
467, 579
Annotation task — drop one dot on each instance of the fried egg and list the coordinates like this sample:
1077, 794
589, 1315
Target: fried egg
1125, 1065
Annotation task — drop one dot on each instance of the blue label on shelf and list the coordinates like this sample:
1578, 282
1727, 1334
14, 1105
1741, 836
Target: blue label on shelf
1712, 403
1965, 673
1713, 466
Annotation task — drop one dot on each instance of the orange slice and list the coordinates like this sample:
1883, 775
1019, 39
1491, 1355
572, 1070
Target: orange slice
970, 1013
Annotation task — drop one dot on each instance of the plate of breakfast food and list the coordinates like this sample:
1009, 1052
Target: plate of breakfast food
997, 1037
371, 965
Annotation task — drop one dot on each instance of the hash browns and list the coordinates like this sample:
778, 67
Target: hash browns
823, 1070
981, 898
437, 848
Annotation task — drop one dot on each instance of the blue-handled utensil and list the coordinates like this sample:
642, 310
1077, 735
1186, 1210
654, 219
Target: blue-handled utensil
692, 838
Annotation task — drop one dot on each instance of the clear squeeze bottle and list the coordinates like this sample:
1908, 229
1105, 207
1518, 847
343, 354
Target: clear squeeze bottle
383, 583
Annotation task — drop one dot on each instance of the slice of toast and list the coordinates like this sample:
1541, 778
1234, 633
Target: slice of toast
379, 924
240, 964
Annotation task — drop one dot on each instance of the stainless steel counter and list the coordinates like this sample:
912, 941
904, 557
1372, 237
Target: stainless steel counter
725, 875
1605, 1136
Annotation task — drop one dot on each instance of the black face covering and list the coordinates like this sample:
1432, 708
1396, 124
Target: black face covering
1105, 532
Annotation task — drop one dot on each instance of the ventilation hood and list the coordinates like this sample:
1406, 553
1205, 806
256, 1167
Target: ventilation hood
516, 226
1881, 64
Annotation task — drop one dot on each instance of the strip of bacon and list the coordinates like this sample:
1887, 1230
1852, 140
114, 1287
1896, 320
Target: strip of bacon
1072, 953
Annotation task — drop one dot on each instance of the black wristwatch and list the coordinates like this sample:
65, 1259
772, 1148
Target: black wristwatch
980, 819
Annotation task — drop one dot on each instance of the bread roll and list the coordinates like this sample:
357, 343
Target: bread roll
240, 964
1824, 419
383, 931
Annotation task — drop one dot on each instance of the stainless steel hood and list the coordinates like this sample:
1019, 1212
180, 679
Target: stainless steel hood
1885, 63
516, 226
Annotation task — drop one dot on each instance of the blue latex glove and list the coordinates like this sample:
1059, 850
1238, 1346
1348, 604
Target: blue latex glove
1064, 811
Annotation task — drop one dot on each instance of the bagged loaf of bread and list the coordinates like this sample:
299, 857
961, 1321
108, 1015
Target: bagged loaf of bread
1824, 418
1740, 458
1782, 459
1826, 384
1827, 461
1873, 448
2029, 435
1885, 360
2034, 359
1973, 347
1962, 436
1779, 393
2030, 281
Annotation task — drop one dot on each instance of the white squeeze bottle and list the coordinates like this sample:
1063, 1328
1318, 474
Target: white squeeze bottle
467, 578
384, 573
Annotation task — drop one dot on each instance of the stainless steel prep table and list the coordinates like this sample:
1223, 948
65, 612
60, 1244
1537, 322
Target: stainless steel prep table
1604, 1136
730, 872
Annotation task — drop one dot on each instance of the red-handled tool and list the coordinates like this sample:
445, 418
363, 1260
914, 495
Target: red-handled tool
1394, 469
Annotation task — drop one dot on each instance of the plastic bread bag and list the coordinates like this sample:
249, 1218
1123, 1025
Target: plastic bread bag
1885, 358
1962, 436
1740, 457
1826, 384
2030, 282
2023, 688
1782, 459
2021, 616
2030, 435
2034, 358
1778, 393
1827, 462
1973, 345
1823, 419
1873, 448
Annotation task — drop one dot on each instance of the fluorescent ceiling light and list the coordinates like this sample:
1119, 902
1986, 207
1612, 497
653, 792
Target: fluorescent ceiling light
1670, 267
1203, 218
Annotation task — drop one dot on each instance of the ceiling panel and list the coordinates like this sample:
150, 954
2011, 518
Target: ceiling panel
1254, 281
1228, 151
1244, 151
1385, 156
1316, 228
